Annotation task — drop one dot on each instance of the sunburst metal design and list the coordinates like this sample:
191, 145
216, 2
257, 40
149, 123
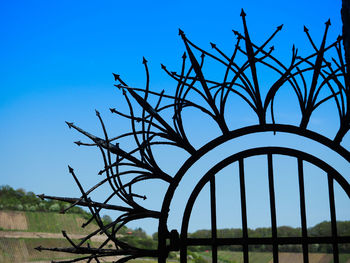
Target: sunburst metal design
307, 77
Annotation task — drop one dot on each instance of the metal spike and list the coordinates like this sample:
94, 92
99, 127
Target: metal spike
69, 124
71, 170
116, 76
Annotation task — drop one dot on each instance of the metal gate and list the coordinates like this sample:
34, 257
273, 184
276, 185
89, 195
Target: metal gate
315, 79
181, 242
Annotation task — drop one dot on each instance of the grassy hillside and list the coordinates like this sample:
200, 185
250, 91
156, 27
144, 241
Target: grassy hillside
22, 249
48, 222
55, 223
23, 211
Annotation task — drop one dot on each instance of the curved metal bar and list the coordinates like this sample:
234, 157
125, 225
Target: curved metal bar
162, 229
238, 157
152, 125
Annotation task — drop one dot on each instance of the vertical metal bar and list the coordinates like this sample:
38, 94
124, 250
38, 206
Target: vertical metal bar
272, 207
333, 219
244, 212
183, 254
213, 220
303, 211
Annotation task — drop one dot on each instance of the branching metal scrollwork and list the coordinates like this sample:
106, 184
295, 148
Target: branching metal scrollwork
308, 77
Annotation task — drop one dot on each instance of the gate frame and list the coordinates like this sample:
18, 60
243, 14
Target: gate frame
150, 128
173, 241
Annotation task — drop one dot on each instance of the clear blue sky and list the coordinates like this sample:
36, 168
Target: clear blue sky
57, 57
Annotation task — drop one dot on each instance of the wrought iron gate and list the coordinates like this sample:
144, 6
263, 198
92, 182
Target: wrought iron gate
182, 242
306, 77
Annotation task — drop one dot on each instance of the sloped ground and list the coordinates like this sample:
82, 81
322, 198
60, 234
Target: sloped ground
22, 250
21, 232
13, 220
14, 250
44, 222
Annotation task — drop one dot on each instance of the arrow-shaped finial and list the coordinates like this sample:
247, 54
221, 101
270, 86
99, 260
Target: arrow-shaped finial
243, 14
181, 33
71, 170
119, 86
212, 45
279, 27
162, 66
78, 143
328, 23
116, 76
69, 124
306, 29
39, 248
237, 33
97, 113
184, 56
144, 61
41, 196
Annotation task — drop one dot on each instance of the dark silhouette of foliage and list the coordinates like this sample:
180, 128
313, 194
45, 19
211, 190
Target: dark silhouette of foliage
20, 200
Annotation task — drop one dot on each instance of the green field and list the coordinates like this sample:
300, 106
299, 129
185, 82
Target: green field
266, 257
254, 257
55, 223
47, 222
22, 249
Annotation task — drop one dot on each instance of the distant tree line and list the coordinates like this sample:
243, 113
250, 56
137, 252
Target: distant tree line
20, 200
321, 229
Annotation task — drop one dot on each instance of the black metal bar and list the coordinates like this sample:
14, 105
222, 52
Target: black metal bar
303, 211
272, 207
213, 219
183, 252
333, 218
244, 211
157, 127
266, 241
239, 157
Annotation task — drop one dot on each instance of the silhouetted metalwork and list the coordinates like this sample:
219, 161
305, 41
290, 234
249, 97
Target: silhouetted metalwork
307, 77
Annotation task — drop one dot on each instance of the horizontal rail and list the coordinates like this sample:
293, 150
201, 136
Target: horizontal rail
264, 241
